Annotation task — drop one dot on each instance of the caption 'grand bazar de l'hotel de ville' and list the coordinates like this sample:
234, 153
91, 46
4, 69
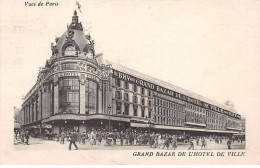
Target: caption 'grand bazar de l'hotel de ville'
78, 90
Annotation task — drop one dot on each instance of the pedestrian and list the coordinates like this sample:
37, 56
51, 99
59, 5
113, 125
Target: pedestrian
229, 144
62, 137
27, 137
131, 138
114, 137
22, 137
174, 142
84, 138
203, 143
94, 138
122, 136
126, 138
197, 141
166, 142
156, 141
191, 145
99, 138
72, 139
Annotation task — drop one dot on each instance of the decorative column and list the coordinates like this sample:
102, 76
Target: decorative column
82, 90
56, 96
44, 97
100, 97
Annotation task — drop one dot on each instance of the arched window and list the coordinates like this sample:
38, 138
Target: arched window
69, 51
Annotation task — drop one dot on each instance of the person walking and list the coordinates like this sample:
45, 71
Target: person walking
72, 139
166, 142
84, 138
27, 138
114, 137
203, 143
197, 141
229, 144
174, 142
62, 137
122, 136
191, 145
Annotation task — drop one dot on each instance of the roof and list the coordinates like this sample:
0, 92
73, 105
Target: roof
168, 85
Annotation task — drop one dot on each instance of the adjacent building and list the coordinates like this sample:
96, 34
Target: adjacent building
76, 90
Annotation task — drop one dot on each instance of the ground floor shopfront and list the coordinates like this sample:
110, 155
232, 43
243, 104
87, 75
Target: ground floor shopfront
85, 123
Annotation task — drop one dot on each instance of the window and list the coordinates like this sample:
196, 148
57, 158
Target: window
149, 103
69, 51
143, 112
142, 91
142, 100
90, 97
118, 83
126, 97
118, 95
135, 88
69, 95
126, 109
135, 110
135, 99
126, 85
118, 107
150, 113
149, 93
66, 66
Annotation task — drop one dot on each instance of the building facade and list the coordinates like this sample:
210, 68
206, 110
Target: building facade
77, 91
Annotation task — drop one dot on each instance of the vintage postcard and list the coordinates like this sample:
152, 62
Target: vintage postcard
130, 82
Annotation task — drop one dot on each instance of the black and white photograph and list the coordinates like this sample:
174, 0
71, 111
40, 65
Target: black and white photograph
163, 81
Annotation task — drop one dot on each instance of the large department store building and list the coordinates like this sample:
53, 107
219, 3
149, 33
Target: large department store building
77, 91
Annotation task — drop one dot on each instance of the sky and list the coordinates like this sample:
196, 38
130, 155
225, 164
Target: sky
207, 47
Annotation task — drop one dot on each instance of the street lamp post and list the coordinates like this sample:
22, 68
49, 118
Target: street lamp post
109, 109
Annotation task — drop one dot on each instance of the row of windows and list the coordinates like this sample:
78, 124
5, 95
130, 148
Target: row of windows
168, 112
214, 115
164, 103
135, 109
212, 126
210, 120
168, 121
195, 120
195, 108
196, 115
125, 85
166, 97
135, 98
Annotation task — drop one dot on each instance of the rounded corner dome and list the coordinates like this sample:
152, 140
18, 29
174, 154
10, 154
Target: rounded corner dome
74, 39
78, 41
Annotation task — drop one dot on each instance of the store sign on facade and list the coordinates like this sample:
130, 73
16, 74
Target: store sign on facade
160, 89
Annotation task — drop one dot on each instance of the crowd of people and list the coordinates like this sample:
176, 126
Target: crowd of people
21, 137
130, 138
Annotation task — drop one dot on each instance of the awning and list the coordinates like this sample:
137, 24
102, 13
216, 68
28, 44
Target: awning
85, 117
190, 123
230, 128
177, 128
221, 131
143, 125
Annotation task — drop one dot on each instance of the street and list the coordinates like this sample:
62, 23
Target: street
39, 144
